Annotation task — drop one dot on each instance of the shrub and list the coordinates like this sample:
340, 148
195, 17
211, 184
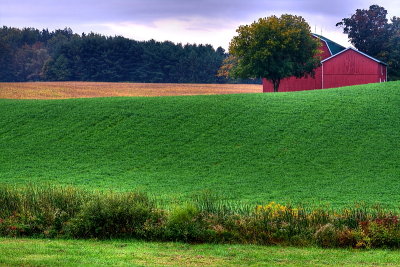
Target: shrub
186, 223
380, 232
114, 215
347, 238
327, 236
39, 210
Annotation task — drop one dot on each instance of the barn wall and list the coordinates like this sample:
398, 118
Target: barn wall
296, 84
383, 73
352, 68
332, 81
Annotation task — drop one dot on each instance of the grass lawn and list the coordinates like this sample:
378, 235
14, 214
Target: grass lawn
335, 146
31, 252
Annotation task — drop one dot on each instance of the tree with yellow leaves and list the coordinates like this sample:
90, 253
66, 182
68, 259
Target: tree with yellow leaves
274, 48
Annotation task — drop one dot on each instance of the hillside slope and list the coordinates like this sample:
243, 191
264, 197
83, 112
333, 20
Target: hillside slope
333, 146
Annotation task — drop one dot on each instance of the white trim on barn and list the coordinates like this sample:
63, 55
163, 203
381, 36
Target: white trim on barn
322, 77
324, 42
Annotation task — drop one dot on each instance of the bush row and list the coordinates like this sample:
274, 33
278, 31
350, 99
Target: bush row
68, 212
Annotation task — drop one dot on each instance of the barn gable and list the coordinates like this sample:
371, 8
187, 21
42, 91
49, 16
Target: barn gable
355, 50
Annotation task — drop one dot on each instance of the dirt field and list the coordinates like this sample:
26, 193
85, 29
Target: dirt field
61, 90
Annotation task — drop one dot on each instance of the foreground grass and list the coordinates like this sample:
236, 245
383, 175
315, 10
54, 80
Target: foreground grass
32, 252
334, 146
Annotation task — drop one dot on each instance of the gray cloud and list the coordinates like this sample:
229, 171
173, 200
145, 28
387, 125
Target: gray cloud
214, 16
150, 10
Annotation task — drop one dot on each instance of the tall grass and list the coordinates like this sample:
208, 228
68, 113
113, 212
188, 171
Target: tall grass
57, 211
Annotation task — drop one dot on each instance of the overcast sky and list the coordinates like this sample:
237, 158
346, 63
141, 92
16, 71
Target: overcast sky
184, 21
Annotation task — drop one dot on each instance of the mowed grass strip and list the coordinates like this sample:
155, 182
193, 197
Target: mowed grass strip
62, 90
35, 252
334, 146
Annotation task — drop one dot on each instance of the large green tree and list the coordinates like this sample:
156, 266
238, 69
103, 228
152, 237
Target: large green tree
367, 29
391, 50
275, 48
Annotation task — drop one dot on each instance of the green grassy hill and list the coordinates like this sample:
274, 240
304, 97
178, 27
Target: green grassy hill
333, 146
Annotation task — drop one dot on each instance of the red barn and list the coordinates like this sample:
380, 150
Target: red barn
339, 67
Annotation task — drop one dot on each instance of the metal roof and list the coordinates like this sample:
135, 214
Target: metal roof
333, 47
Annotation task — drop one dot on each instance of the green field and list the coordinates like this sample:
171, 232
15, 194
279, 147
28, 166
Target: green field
31, 252
336, 146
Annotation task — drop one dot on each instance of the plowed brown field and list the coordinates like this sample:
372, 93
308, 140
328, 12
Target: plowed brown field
61, 90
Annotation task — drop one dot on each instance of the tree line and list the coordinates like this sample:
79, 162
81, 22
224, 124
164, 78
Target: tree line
30, 54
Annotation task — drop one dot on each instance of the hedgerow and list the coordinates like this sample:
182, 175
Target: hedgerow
70, 212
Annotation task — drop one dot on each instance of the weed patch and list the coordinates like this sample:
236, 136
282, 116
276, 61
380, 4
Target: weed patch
69, 212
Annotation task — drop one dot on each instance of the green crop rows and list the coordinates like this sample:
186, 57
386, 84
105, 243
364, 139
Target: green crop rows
334, 147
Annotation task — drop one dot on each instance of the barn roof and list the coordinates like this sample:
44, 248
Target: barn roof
351, 48
333, 47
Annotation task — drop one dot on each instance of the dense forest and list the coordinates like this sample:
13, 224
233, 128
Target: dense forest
30, 54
